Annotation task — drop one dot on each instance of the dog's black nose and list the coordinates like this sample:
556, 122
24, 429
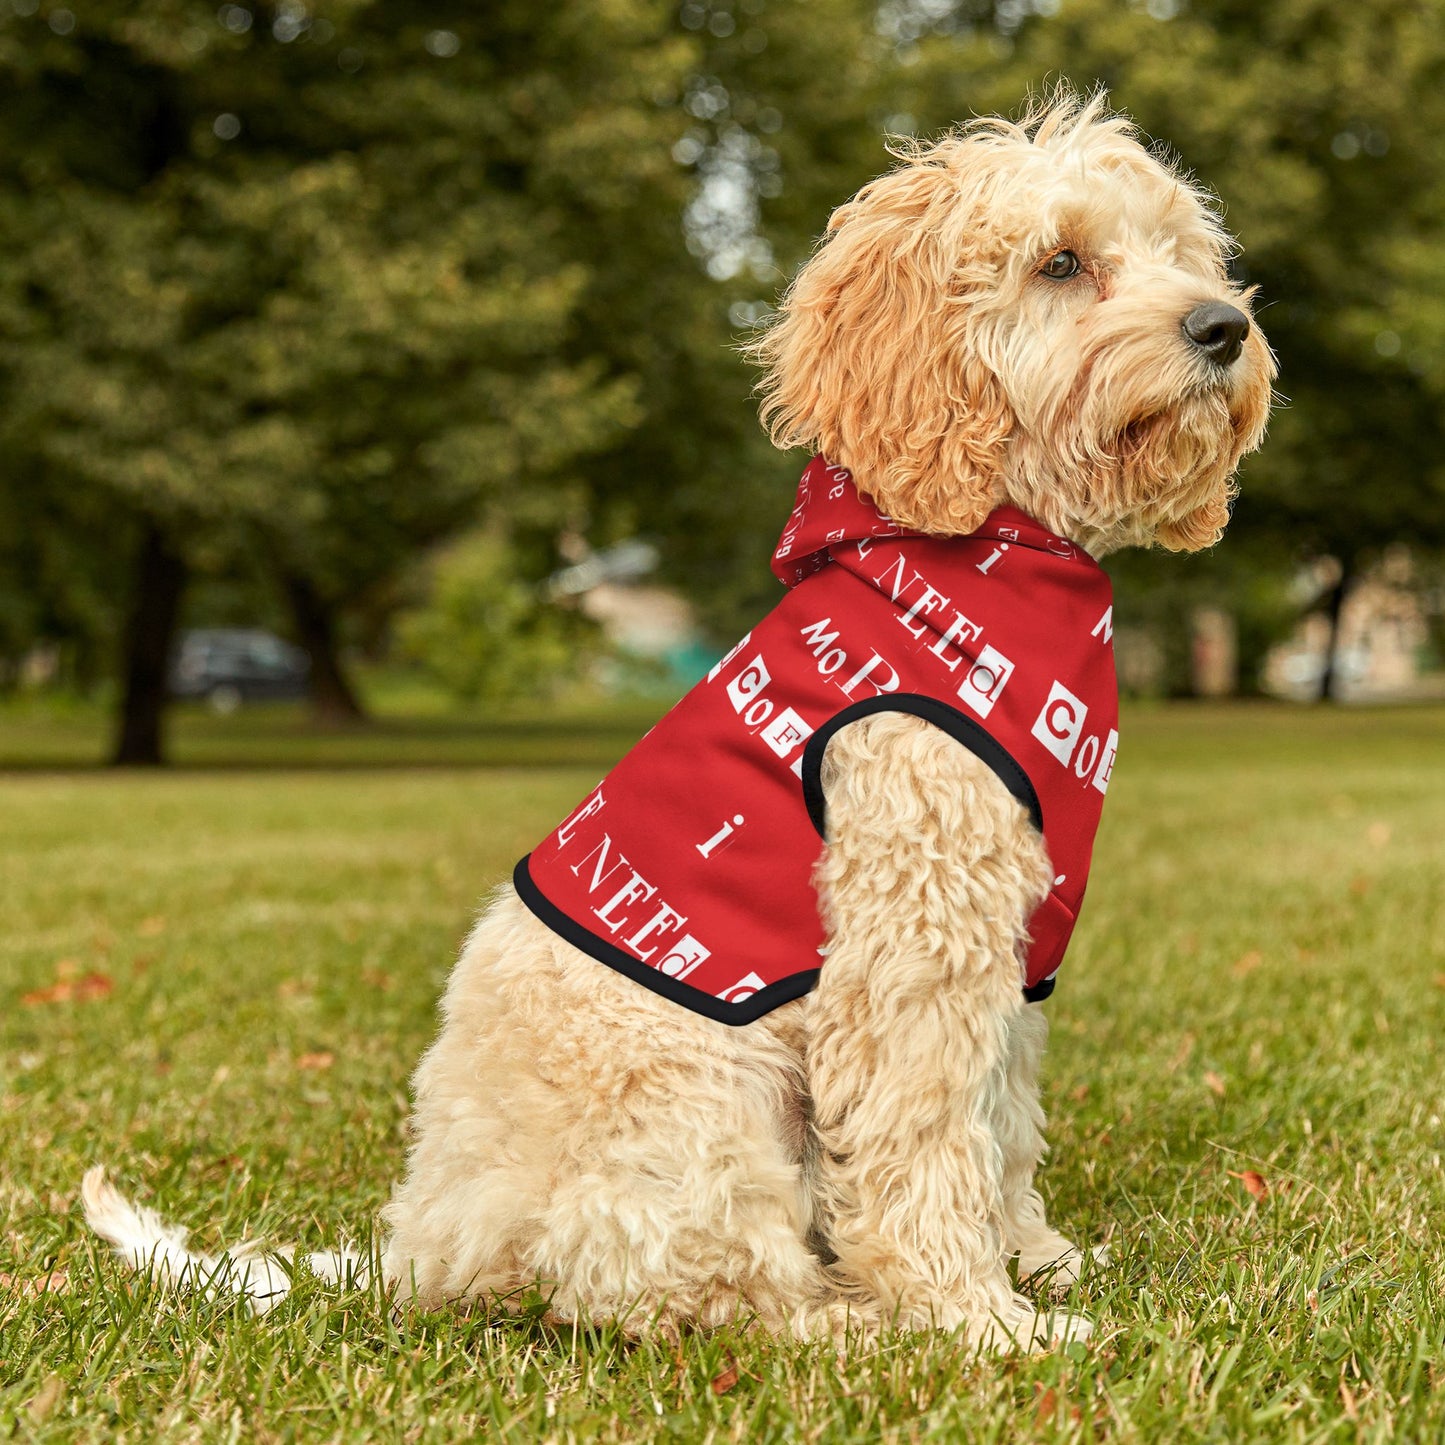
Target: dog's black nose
1218, 330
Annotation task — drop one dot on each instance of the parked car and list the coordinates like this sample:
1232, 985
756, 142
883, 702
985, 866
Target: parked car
230, 665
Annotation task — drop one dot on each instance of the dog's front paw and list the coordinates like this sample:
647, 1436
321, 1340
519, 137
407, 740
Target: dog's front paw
1023, 1326
1059, 1328
1057, 1269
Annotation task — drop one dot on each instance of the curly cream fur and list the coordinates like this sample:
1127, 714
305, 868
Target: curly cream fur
921, 348
577, 1133
864, 1155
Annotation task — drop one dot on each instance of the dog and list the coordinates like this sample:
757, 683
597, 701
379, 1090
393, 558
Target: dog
1015, 352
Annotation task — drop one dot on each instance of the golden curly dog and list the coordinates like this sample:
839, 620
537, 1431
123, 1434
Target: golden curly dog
1035, 314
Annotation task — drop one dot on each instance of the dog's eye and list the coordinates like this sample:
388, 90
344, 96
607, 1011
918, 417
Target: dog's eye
1060, 266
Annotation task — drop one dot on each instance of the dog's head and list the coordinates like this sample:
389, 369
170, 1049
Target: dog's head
1036, 313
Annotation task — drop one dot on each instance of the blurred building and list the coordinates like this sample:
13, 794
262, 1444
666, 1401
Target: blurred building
1382, 652
652, 629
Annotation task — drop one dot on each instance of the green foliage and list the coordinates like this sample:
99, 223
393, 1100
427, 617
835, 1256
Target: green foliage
307, 286
780, 116
321, 287
1250, 987
486, 634
61, 572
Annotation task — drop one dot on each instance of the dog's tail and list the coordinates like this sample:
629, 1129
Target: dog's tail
147, 1243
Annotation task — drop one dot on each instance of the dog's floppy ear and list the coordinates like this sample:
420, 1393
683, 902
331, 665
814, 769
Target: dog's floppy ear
872, 358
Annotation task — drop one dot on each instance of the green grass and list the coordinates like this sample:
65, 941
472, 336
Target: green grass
1256, 985
407, 728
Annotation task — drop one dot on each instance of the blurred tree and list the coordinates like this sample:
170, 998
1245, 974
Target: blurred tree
303, 282
59, 570
782, 108
330, 283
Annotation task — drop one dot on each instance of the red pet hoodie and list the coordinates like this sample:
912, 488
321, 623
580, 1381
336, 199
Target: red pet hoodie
689, 867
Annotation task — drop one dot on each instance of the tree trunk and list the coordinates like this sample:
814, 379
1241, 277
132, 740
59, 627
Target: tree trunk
1334, 608
333, 699
160, 578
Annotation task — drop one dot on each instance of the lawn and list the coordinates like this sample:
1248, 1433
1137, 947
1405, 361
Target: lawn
217, 979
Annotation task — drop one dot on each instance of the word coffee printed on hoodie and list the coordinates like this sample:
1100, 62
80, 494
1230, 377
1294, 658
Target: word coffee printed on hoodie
689, 867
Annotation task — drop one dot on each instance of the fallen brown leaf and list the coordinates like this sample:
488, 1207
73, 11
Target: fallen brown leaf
1181, 1054
1255, 1184
1214, 1083
66, 990
1347, 1399
56, 993
56, 1282
724, 1382
1046, 1407
1080, 1094
322, 1059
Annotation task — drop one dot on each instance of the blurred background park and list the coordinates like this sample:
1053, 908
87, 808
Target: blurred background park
383, 356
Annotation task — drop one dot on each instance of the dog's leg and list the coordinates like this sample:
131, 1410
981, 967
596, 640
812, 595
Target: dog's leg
931, 872
576, 1134
1019, 1128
